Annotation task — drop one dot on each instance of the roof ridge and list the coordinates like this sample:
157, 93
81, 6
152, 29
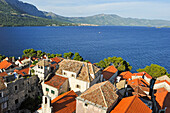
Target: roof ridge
91, 90
103, 96
131, 103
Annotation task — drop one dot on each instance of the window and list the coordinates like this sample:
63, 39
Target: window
53, 92
15, 87
72, 75
16, 101
64, 73
1, 94
47, 89
45, 100
41, 67
77, 86
4, 105
86, 104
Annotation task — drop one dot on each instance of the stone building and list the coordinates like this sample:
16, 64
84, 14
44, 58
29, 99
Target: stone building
100, 98
16, 89
42, 69
81, 75
55, 86
23, 61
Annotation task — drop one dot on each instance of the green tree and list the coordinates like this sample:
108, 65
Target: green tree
118, 62
29, 52
59, 55
68, 55
154, 70
39, 53
2, 57
77, 57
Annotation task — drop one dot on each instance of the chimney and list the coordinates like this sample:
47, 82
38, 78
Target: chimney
151, 93
13, 59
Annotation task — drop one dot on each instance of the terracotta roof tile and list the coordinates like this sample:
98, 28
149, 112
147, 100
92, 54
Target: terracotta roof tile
131, 105
3, 74
56, 59
56, 81
126, 75
103, 94
23, 72
141, 74
138, 82
65, 103
109, 72
5, 64
165, 77
160, 81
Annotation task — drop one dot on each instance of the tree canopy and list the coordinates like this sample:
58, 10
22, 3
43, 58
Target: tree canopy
2, 57
68, 55
77, 57
154, 70
118, 62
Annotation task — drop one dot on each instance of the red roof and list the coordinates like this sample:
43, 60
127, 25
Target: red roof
65, 103
22, 72
22, 59
160, 81
162, 97
138, 82
5, 64
126, 75
131, 105
56, 81
109, 72
141, 74
3, 74
56, 59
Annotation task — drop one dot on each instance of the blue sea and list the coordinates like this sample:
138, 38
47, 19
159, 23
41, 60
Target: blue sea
140, 46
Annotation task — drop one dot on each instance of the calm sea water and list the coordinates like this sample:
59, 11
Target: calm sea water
140, 46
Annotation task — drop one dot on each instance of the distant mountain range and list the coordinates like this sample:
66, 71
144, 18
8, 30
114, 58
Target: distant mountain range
17, 13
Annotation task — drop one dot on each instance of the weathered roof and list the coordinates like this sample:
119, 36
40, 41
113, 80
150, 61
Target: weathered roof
126, 75
5, 64
161, 81
56, 59
138, 82
82, 69
139, 90
20, 60
109, 72
131, 105
44, 62
141, 74
2, 85
121, 84
162, 97
165, 77
103, 94
22, 72
56, 81
3, 74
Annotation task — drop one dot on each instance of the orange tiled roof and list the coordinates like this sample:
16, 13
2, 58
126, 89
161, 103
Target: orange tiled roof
3, 74
139, 90
5, 64
56, 81
56, 59
126, 75
109, 72
131, 105
138, 82
22, 72
160, 81
141, 74
22, 59
65, 103
103, 94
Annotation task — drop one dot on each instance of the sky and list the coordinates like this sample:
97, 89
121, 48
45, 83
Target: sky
146, 9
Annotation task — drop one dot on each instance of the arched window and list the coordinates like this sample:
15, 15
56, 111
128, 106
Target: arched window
45, 100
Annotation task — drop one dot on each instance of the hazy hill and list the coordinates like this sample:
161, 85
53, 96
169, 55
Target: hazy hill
11, 16
19, 13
